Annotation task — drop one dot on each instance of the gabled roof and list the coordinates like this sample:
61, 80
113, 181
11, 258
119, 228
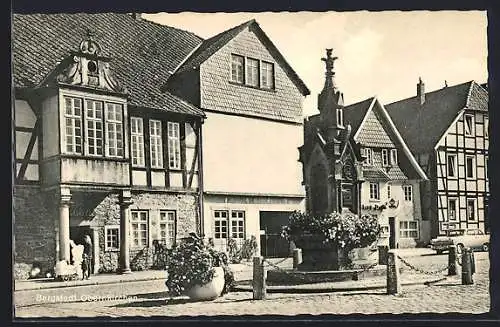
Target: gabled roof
423, 126
213, 44
383, 134
143, 53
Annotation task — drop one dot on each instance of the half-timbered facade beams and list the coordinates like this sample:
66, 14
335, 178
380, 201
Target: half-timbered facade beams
462, 181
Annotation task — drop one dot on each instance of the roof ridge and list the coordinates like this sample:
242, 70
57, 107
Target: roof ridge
431, 92
469, 92
169, 26
356, 103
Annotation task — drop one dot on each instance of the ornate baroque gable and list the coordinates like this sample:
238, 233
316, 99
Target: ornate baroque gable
86, 68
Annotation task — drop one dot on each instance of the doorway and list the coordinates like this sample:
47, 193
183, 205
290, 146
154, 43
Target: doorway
392, 232
77, 233
272, 245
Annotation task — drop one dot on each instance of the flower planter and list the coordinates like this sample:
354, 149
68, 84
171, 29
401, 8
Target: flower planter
209, 291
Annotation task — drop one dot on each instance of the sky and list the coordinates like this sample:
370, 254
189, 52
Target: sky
380, 54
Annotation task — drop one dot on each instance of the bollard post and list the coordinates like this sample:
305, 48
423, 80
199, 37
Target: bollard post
393, 280
452, 258
297, 257
382, 254
467, 267
259, 279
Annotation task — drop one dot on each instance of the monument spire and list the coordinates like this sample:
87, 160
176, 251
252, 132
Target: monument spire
329, 74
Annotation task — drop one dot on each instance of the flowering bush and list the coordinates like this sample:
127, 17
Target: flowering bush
191, 263
346, 230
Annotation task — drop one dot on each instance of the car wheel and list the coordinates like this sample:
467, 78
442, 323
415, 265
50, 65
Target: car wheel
486, 247
460, 248
439, 251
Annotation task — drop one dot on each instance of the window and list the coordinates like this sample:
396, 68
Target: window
155, 144
369, 156
408, 190
73, 124
486, 126
237, 68
469, 166
340, 119
452, 165
93, 119
114, 123
408, 229
374, 191
469, 125
394, 157
139, 228
96, 119
385, 157
486, 167
452, 209
238, 224
471, 209
174, 146
220, 221
235, 219
252, 71
167, 228
112, 235
388, 191
137, 141
267, 75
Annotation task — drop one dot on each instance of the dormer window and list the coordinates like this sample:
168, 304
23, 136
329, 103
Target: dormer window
340, 117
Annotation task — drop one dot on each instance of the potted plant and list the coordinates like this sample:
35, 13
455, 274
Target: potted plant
198, 270
326, 240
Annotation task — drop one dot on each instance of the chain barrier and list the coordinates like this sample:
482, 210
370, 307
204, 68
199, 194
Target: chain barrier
409, 265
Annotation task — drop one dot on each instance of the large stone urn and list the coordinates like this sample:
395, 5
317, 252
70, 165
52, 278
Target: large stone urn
318, 255
210, 290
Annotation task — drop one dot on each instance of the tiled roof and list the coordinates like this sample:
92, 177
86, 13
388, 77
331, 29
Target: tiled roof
422, 126
375, 174
143, 53
354, 113
213, 44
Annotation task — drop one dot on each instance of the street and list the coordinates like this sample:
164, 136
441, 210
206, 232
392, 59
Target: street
150, 299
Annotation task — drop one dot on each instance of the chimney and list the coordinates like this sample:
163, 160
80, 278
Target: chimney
421, 91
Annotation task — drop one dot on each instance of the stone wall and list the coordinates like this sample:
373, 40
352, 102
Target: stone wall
34, 221
107, 212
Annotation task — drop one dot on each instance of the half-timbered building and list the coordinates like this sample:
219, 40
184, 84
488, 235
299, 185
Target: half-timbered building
447, 131
99, 149
253, 102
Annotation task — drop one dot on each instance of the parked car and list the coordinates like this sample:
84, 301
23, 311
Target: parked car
472, 238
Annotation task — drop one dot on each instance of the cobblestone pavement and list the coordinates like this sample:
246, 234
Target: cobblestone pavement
149, 299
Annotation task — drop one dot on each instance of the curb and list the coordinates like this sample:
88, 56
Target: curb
299, 290
92, 283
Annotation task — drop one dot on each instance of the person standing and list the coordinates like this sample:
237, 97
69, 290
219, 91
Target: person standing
88, 254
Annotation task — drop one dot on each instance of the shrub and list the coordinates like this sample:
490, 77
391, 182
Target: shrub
191, 262
234, 251
249, 248
346, 230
